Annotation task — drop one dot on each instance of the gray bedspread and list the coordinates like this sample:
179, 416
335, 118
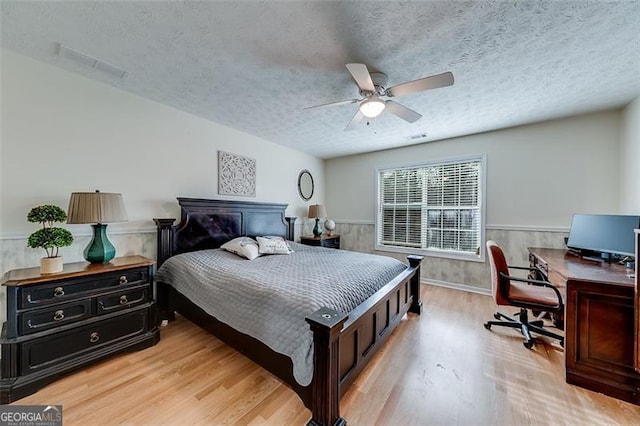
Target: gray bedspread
269, 297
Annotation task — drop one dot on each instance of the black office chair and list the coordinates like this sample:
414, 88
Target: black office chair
523, 293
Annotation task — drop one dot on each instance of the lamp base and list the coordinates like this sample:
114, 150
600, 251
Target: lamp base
316, 229
100, 249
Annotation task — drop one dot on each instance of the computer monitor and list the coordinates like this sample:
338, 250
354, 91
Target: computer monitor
604, 233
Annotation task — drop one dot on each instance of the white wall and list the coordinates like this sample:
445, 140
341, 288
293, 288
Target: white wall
537, 175
62, 133
630, 159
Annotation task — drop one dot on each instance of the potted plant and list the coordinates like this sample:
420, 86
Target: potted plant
50, 238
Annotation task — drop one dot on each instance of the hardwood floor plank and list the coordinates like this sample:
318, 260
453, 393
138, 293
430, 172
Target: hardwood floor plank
441, 368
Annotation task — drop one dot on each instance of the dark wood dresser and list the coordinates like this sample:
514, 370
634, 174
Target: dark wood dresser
329, 241
60, 322
599, 321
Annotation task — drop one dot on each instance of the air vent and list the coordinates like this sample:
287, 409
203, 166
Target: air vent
416, 137
90, 62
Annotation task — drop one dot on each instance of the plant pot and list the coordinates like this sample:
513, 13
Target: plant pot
51, 265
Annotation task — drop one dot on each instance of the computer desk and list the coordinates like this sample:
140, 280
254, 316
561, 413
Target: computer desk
600, 338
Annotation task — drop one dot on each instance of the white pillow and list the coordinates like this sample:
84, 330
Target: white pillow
273, 245
242, 246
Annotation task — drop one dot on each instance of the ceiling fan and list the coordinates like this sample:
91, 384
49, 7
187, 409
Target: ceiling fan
372, 87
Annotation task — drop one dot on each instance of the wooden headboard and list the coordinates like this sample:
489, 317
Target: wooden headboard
207, 224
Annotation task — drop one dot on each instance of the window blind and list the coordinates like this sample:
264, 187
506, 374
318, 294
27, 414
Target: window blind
433, 207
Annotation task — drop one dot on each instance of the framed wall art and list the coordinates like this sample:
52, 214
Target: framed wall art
236, 175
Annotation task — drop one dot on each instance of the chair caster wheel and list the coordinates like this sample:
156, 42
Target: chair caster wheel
487, 326
528, 345
496, 316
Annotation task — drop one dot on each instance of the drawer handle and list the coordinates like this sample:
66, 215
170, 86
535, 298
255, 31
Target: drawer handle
123, 299
58, 292
94, 337
58, 315
123, 279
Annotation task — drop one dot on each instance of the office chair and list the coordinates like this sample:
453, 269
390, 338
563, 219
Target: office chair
522, 293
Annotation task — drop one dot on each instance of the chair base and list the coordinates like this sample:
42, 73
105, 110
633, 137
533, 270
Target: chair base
526, 327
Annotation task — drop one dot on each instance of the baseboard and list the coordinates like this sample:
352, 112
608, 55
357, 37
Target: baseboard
457, 286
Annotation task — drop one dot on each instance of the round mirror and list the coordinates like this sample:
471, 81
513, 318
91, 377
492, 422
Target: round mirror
305, 185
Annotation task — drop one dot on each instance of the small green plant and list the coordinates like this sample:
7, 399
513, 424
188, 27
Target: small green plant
50, 238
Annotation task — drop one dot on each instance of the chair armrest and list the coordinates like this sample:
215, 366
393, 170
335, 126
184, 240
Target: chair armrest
524, 268
531, 269
537, 283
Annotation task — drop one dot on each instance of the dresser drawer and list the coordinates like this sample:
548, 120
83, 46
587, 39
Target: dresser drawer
54, 349
36, 320
331, 243
59, 291
122, 300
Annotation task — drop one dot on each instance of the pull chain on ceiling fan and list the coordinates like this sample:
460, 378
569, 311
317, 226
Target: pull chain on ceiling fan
373, 87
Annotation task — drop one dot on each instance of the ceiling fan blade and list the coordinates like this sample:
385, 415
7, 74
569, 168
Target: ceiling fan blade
427, 83
402, 111
362, 77
357, 118
332, 104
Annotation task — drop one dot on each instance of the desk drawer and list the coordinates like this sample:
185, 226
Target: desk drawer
59, 291
52, 350
36, 320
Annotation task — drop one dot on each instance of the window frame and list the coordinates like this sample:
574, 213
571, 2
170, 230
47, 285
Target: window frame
436, 253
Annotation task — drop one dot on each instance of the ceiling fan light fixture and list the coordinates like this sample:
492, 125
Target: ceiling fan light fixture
372, 107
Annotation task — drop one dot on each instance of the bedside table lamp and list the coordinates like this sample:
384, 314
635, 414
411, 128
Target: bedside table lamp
98, 209
317, 211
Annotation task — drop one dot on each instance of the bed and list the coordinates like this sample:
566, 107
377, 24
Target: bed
342, 342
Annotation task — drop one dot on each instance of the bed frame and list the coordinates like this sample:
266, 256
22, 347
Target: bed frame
343, 344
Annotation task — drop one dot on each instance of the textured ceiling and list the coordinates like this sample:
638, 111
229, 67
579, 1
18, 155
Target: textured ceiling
254, 65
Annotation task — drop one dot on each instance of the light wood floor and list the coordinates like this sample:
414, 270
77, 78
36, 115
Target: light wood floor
443, 368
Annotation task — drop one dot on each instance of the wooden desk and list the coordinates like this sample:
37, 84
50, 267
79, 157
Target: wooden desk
599, 322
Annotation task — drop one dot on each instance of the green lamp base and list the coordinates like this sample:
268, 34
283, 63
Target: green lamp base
100, 249
317, 232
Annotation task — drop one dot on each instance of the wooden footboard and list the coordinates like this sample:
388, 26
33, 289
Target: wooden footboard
344, 344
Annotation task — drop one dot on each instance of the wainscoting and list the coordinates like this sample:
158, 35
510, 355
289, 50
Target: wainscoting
464, 275
461, 274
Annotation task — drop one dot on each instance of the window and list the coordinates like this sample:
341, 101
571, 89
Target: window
432, 208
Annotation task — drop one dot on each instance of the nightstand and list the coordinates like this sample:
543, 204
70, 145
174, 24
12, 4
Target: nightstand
61, 322
332, 241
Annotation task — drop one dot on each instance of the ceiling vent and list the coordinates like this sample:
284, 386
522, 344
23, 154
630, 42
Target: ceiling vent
416, 137
90, 62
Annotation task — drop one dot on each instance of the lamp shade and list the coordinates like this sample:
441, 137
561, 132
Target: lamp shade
317, 211
96, 207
